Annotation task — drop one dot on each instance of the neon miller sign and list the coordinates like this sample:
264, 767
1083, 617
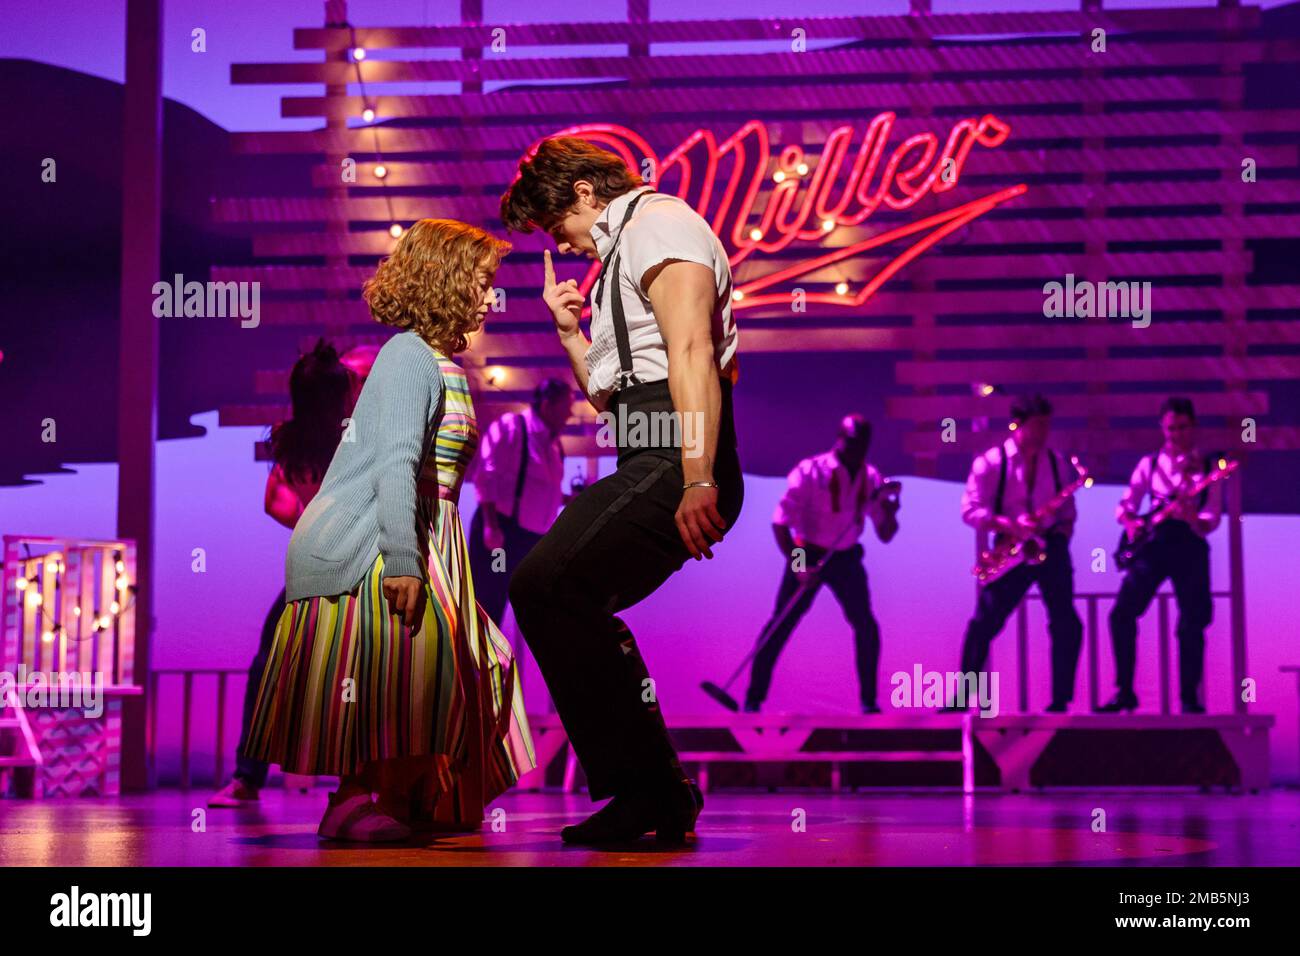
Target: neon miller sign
810, 204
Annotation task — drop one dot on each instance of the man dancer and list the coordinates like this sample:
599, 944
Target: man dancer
1007, 484
1178, 551
518, 474
662, 340
824, 508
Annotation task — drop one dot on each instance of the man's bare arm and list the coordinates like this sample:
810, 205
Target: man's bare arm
683, 296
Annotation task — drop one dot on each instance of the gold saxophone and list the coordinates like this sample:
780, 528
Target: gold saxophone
1012, 550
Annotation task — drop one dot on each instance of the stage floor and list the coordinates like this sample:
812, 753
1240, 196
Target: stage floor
736, 829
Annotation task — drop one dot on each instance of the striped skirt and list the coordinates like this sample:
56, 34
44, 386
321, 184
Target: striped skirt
348, 690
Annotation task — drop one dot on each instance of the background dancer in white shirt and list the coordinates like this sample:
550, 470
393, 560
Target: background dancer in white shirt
824, 508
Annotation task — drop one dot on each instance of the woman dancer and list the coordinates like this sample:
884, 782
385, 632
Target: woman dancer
384, 670
323, 388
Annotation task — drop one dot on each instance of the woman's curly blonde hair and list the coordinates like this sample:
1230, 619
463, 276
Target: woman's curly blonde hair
429, 285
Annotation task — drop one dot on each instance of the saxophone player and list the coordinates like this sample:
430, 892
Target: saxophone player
1007, 486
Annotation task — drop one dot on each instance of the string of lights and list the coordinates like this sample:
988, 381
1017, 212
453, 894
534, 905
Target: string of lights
356, 54
53, 629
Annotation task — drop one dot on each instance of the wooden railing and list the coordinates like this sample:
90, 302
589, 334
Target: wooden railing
187, 675
1092, 643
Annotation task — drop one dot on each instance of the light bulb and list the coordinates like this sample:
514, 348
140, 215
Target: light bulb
778, 176
756, 234
368, 115
381, 171
358, 54
841, 288
395, 231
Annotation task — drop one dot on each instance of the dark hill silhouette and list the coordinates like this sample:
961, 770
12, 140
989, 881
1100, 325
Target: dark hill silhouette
61, 255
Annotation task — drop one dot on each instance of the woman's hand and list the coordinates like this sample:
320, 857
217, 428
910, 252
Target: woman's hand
406, 597
564, 300
493, 536
698, 521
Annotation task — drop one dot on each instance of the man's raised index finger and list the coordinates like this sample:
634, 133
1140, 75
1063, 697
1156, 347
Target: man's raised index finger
549, 269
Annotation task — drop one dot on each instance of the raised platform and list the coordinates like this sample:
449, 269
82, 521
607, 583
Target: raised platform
1013, 752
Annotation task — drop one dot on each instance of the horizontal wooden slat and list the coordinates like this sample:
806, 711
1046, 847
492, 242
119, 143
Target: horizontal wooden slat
543, 356
525, 102
791, 66
1003, 302
1086, 442
1047, 371
887, 27
509, 140
496, 175
488, 405
1038, 199
524, 269
934, 408
981, 233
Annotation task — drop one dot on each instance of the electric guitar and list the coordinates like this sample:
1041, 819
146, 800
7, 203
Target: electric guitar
1012, 550
1128, 550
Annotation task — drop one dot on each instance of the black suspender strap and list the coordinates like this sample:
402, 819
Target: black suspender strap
1056, 470
523, 464
610, 267
1002, 480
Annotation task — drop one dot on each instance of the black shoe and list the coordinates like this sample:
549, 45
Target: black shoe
1124, 700
628, 817
1193, 708
870, 709
1058, 707
752, 707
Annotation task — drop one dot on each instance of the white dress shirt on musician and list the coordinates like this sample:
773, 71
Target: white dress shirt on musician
824, 505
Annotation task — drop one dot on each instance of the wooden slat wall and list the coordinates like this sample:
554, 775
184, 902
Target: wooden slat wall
1140, 144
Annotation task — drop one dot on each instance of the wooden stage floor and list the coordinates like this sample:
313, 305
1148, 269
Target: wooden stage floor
736, 829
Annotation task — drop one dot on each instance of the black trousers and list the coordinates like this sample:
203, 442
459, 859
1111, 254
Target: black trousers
847, 579
996, 601
492, 586
253, 772
1179, 553
614, 545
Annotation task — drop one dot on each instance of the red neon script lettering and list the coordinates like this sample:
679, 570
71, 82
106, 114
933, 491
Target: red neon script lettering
812, 200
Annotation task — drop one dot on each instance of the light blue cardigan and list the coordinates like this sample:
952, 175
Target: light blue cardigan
366, 505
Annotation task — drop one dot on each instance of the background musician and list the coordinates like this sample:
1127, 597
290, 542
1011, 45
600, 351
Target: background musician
1178, 550
1007, 484
824, 508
